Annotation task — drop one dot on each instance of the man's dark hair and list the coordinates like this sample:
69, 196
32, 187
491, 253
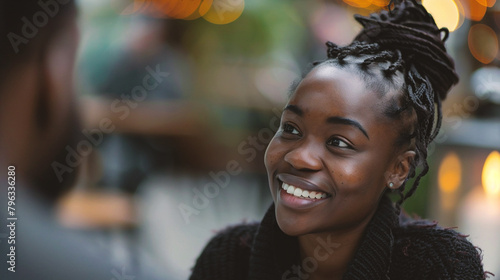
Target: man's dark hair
28, 25
27, 29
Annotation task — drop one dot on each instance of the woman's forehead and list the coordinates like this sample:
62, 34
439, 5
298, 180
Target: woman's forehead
333, 83
330, 90
371, 76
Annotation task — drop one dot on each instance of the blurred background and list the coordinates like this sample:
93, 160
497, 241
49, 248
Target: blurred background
179, 101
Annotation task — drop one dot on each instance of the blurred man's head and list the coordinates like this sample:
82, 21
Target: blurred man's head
38, 44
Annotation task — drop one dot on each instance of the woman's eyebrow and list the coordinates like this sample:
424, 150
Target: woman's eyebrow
295, 109
334, 120
346, 121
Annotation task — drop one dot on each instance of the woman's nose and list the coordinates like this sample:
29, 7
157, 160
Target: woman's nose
304, 157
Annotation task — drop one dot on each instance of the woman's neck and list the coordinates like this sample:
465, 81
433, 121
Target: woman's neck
327, 255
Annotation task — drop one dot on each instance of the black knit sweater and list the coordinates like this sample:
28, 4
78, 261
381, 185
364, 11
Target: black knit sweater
391, 248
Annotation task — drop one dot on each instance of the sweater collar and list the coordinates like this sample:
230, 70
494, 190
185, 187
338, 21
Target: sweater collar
275, 255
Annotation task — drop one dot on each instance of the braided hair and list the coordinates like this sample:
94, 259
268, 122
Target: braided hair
405, 40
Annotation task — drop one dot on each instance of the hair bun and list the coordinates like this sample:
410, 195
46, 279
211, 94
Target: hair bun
409, 28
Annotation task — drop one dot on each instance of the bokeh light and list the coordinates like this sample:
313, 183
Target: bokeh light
214, 11
473, 9
483, 43
367, 3
487, 3
224, 11
204, 8
491, 174
380, 3
445, 13
359, 3
177, 9
450, 173
485, 83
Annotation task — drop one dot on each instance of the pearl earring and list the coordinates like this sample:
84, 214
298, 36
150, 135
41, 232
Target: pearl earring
391, 185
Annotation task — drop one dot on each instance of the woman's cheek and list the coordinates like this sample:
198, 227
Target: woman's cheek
350, 174
272, 154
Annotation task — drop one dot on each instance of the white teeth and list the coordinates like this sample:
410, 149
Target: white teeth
312, 195
298, 192
305, 193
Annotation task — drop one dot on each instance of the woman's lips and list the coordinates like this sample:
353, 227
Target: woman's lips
301, 183
301, 193
297, 199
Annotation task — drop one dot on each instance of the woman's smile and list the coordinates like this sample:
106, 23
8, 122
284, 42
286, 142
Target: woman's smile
299, 193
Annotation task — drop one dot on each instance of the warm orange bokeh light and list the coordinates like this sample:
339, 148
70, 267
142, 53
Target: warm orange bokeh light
445, 13
214, 11
359, 3
224, 11
367, 3
450, 173
473, 9
487, 3
380, 3
491, 175
483, 43
204, 8
178, 9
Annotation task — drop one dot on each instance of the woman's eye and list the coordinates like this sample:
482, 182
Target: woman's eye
336, 142
290, 129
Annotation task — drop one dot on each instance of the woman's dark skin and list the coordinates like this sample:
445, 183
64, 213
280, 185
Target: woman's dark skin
335, 138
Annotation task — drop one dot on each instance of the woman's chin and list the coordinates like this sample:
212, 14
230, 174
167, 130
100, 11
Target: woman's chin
290, 226
291, 230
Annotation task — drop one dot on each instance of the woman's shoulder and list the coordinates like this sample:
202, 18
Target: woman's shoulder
226, 255
433, 252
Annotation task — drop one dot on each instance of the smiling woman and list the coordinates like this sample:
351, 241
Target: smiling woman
333, 141
356, 127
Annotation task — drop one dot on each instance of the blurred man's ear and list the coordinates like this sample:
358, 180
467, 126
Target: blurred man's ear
55, 83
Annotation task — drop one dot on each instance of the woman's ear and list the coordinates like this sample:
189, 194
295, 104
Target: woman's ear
400, 169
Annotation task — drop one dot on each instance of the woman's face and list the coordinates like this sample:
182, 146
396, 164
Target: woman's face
332, 153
